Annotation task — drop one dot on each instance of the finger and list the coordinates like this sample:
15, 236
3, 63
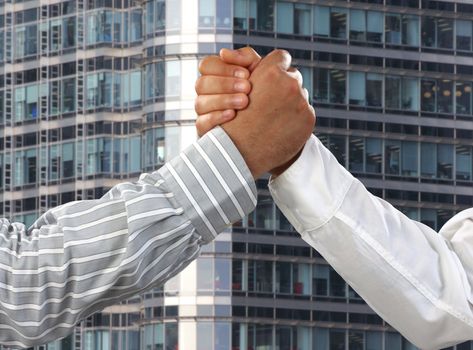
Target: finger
209, 103
306, 94
213, 65
207, 122
281, 58
244, 57
293, 72
211, 84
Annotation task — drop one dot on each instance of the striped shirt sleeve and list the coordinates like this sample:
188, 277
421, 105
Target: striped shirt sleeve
85, 255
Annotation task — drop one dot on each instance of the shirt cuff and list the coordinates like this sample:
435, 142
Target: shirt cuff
212, 183
311, 191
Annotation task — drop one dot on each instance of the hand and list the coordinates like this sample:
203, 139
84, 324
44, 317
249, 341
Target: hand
273, 129
223, 87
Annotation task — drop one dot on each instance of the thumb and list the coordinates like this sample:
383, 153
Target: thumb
244, 57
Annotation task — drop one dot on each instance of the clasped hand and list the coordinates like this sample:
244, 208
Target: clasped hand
260, 103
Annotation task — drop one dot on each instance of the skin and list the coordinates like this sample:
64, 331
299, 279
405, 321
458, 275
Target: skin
273, 121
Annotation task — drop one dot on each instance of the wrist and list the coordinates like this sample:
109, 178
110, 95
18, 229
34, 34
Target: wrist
282, 168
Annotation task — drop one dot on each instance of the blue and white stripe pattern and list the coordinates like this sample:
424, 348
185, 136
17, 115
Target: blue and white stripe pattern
83, 256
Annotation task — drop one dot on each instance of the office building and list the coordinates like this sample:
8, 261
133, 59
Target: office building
94, 92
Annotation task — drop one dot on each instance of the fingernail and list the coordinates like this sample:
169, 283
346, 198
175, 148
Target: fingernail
240, 86
237, 100
240, 74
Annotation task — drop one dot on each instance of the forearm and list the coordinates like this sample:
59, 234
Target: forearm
83, 256
402, 268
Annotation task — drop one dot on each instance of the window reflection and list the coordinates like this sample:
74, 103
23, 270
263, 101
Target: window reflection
464, 97
260, 276
437, 32
429, 95
262, 15
464, 163
240, 14
338, 23
464, 35
393, 29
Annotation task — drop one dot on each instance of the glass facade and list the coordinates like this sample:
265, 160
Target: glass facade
92, 93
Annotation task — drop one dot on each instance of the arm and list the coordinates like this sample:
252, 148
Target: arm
83, 256
419, 281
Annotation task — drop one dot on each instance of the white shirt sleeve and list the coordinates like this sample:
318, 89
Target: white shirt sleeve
418, 280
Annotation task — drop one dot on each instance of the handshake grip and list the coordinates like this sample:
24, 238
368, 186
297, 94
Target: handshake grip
271, 124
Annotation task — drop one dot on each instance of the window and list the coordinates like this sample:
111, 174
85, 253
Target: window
135, 25
428, 160
464, 35
437, 32
155, 16
68, 160
436, 161
262, 15
205, 274
25, 170
55, 33
321, 85
464, 163
224, 14
173, 78
99, 27
402, 29
26, 102
292, 278
393, 92
373, 154
393, 29
302, 19
410, 94
374, 90
337, 87
240, 14
445, 96
357, 88
260, 276
321, 21
444, 161
463, 95
206, 13
366, 89
26, 41
356, 154
410, 30
69, 32
153, 336
445, 33
262, 217
358, 25
338, 23
2, 45
69, 95
429, 95
285, 20
260, 336
375, 26
99, 90
172, 8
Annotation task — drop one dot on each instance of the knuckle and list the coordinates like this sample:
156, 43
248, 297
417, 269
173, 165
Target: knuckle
205, 63
273, 72
294, 87
281, 52
199, 85
198, 104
